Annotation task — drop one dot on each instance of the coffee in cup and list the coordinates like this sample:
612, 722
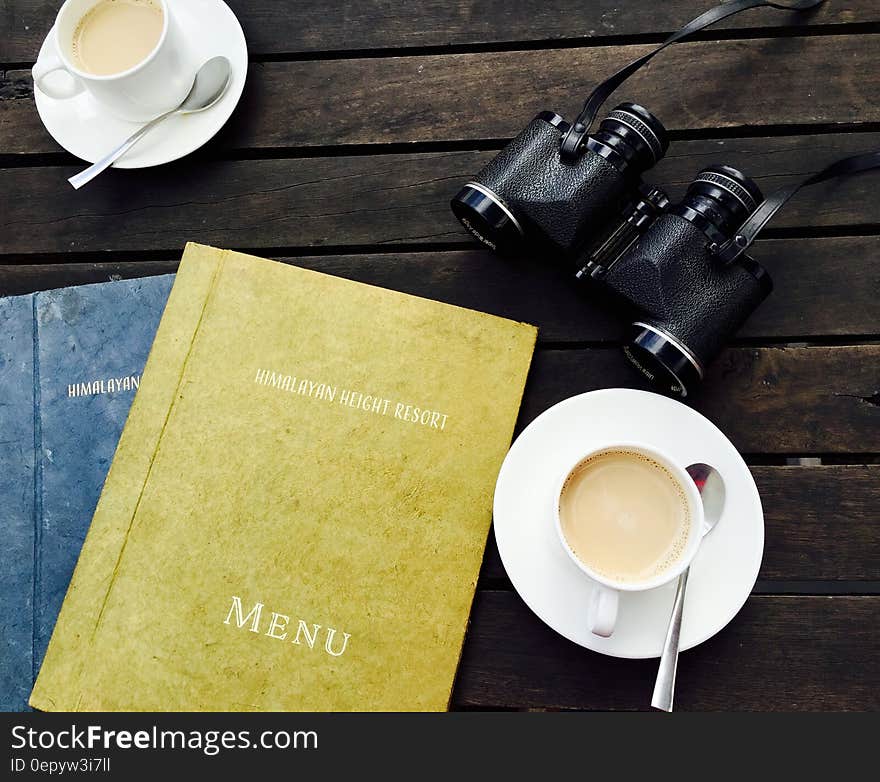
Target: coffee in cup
624, 515
115, 35
630, 518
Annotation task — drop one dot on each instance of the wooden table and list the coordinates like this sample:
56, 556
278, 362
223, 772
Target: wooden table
360, 120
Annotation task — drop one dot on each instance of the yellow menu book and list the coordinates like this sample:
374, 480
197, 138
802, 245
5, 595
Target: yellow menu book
297, 510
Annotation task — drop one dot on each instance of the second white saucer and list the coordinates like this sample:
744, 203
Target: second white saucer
724, 571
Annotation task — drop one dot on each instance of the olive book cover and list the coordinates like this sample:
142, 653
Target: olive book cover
296, 513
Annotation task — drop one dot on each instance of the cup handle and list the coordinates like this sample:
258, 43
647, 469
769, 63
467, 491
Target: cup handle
50, 62
602, 615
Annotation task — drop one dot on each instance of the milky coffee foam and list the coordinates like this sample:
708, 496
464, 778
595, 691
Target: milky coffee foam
625, 516
116, 35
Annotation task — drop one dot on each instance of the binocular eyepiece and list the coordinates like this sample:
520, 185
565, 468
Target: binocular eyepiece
720, 200
633, 136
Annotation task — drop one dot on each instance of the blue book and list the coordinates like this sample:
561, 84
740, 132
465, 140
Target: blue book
70, 364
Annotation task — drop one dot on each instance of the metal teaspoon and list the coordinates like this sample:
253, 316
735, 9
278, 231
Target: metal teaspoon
711, 488
209, 86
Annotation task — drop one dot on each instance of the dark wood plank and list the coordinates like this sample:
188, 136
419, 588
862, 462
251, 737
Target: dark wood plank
492, 95
462, 97
821, 525
361, 200
21, 279
766, 400
315, 26
823, 286
778, 654
821, 522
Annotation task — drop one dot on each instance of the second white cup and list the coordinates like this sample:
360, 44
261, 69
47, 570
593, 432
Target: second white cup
601, 614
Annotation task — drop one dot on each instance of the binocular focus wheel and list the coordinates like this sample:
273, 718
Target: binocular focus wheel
731, 186
644, 130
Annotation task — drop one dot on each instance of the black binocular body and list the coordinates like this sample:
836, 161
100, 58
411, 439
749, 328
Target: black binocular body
596, 216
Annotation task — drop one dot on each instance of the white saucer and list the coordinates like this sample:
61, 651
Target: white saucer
722, 575
84, 128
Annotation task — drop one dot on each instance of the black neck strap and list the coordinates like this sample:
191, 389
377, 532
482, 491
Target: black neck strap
733, 248
577, 133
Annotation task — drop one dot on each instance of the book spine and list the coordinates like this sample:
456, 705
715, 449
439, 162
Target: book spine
61, 684
18, 437
38, 492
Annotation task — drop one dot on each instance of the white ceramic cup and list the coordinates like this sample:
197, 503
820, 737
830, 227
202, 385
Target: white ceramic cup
602, 610
157, 84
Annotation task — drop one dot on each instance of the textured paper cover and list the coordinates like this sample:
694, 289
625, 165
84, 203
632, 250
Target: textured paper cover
17, 481
57, 444
343, 518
